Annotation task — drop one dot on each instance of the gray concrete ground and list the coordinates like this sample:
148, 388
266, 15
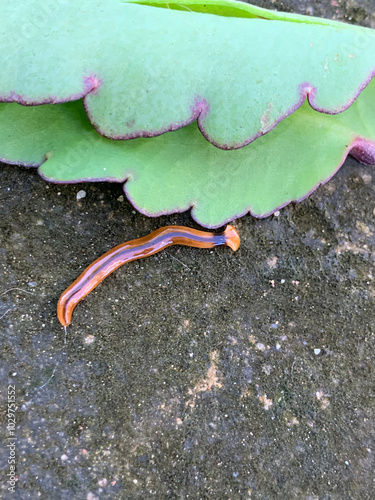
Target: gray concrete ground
193, 374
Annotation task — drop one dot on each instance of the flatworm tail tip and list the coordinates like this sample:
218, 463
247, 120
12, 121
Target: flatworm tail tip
61, 315
232, 238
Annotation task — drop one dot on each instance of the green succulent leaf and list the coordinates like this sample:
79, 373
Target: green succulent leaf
230, 8
144, 69
181, 170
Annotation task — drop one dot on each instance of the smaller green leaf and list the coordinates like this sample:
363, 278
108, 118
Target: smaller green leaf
230, 8
179, 170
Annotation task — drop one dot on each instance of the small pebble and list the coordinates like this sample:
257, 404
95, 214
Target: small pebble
81, 194
91, 496
89, 339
